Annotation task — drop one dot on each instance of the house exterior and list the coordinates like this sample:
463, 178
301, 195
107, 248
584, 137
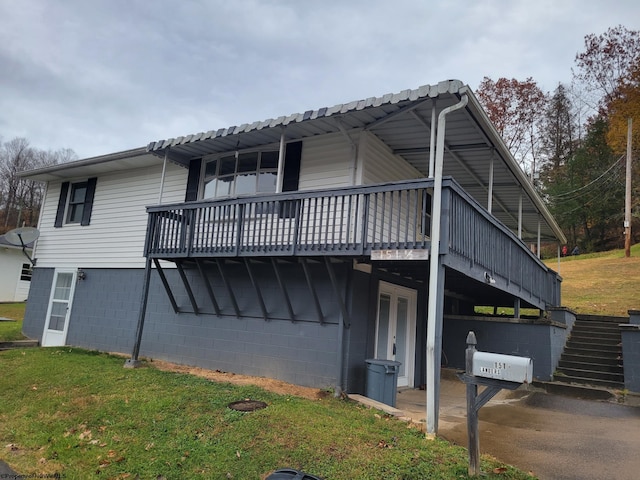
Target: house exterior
15, 272
298, 247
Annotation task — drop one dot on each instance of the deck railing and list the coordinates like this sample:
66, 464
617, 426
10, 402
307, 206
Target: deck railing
480, 242
353, 221
341, 221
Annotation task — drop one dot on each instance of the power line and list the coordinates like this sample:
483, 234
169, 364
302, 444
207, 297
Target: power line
590, 183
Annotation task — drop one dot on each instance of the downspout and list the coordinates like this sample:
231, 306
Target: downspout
164, 170
354, 151
39, 224
490, 193
433, 366
432, 144
538, 246
280, 176
520, 216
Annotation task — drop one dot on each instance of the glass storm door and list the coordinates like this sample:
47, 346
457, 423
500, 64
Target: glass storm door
395, 329
57, 321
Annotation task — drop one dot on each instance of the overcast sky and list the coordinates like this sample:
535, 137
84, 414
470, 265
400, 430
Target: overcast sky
101, 76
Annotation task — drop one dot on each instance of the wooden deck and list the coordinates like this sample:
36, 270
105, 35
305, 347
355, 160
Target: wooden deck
357, 222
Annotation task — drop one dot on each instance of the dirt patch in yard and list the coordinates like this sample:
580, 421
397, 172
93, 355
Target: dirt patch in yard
276, 386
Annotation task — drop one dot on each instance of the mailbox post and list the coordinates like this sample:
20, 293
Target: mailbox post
494, 372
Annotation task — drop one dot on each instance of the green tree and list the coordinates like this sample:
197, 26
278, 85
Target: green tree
587, 192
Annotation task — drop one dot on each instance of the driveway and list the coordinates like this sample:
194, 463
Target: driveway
551, 436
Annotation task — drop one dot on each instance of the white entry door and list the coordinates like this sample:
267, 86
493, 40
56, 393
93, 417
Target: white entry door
396, 329
57, 321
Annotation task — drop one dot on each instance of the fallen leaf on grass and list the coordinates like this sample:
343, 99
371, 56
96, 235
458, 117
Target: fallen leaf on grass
500, 470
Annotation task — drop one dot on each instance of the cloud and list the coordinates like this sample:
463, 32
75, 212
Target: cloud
107, 75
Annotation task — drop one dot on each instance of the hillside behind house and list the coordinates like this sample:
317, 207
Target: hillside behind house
604, 283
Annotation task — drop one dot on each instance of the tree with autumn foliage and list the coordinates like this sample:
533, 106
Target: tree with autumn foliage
586, 189
575, 138
516, 110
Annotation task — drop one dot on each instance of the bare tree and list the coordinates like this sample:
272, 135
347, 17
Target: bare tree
606, 59
20, 199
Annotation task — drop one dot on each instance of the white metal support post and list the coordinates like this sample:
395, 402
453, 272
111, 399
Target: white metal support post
435, 305
627, 194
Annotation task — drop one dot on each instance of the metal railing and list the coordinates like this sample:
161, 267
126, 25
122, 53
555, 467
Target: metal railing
342, 221
483, 243
352, 221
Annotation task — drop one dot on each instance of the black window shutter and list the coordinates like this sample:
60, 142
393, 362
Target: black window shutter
88, 201
292, 158
193, 180
291, 177
62, 203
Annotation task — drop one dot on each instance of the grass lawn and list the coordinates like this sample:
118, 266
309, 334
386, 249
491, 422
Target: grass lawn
11, 330
603, 283
82, 415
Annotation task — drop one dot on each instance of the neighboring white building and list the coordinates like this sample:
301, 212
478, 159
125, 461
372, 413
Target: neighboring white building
15, 272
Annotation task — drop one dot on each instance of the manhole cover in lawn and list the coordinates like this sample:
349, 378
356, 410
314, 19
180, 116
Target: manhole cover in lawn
247, 405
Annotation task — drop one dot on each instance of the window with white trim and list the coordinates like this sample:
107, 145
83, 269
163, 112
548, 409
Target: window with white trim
245, 173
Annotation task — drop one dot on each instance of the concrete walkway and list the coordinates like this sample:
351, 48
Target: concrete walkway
551, 436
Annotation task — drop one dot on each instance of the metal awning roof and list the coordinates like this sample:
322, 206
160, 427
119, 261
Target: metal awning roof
402, 121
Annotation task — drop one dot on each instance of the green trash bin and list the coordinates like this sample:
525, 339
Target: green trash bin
382, 380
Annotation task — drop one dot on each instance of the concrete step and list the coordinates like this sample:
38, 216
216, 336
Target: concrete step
601, 319
606, 326
589, 392
593, 347
591, 332
588, 381
595, 367
603, 360
592, 374
595, 339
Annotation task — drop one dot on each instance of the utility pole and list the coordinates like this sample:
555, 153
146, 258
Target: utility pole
627, 195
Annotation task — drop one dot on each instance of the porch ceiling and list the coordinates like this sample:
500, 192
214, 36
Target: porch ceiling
403, 122
457, 284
